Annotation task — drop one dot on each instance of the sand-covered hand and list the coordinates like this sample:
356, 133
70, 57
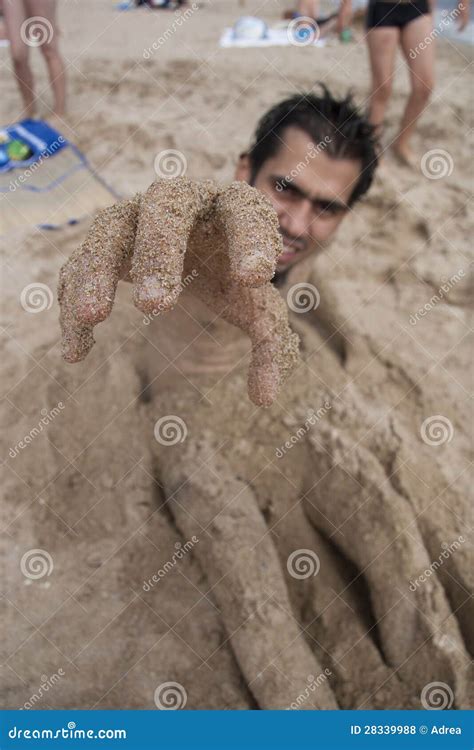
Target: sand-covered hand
227, 237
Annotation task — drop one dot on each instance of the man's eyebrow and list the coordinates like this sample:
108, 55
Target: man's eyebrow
324, 203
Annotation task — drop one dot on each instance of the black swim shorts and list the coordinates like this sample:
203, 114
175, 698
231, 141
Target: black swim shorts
381, 13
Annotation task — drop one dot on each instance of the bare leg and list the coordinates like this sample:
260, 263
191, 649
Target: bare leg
47, 9
382, 44
418, 633
308, 8
421, 67
240, 561
15, 15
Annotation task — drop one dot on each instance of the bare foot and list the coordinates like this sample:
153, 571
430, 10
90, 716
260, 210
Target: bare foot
404, 155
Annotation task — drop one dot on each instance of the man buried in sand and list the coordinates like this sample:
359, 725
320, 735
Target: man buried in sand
202, 260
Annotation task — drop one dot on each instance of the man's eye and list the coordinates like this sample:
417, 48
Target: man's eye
327, 209
284, 187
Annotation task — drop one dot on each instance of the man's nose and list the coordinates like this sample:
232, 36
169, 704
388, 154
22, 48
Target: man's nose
298, 218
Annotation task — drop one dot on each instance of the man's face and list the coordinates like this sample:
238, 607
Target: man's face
309, 191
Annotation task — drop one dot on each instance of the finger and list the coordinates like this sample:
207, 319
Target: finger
76, 341
88, 281
262, 314
168, 212
76, 338
252, 230
274, 346
99, 264
263, 377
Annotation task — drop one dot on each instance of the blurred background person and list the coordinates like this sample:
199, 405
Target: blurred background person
407, 24
32, 23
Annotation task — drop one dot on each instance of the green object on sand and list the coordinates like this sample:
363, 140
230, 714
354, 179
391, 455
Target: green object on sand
346, 35
18, 151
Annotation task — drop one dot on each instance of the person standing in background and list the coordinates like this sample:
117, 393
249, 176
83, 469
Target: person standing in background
408, 24
32, 23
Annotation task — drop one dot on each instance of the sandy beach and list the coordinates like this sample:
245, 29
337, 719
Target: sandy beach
91, 487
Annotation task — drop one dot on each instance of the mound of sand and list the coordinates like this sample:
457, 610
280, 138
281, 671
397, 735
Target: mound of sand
91, 485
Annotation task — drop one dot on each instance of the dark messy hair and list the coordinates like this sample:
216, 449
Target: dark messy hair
338, 122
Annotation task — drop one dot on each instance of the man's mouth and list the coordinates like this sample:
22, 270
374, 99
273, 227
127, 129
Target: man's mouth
287, 255
290, 251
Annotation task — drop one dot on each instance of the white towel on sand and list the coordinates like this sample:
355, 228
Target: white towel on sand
274, 38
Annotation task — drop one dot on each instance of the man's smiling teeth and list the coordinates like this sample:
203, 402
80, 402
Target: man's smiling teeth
286, 255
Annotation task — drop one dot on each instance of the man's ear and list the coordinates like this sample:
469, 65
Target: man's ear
243, 170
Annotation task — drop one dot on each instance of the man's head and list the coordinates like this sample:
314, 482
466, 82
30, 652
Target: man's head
313, 156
